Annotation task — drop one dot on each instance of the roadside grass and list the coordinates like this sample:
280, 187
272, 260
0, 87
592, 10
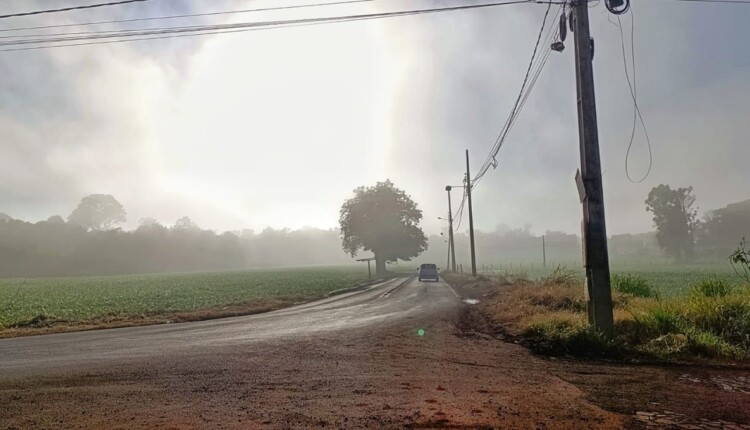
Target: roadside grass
711, 322
42, 302
668, 280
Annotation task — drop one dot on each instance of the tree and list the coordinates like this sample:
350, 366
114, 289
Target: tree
98, 212
148, 221
722, 228
5, 217
384, 220
56, 219
186, 224
675, 220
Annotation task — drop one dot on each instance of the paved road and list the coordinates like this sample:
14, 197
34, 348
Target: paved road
381, 304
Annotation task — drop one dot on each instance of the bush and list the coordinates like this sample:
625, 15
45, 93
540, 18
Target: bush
634, 285
711, 288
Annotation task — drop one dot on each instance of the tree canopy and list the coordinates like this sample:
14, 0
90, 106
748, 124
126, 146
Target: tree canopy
384, 220
98, 212
675, 220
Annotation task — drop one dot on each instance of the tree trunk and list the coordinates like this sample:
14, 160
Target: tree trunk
379, 266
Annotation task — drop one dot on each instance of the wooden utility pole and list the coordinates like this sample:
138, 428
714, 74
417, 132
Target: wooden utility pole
596, 257
471, 217
451, 244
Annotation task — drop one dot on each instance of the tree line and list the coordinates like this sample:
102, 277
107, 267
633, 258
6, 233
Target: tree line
90, 242
685, 237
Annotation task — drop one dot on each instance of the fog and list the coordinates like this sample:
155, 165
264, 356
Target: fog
270, 131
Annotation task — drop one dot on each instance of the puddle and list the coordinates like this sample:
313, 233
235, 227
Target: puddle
471, 301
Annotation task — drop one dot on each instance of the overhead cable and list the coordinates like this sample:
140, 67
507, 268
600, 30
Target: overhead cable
67, 9
161, 33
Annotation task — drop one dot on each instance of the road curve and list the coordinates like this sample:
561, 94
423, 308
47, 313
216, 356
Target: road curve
377, 306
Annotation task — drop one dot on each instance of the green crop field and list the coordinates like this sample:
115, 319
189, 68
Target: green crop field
669, 280
85, 298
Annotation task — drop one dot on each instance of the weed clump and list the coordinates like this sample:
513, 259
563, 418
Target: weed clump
634, 285
562, 276
713, 287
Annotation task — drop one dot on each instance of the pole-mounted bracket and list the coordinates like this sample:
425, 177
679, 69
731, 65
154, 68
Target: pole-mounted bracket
581, 184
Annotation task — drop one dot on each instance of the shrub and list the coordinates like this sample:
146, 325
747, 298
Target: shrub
713, 287
634, 285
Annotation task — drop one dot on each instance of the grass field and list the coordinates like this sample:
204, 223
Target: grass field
669, 280
78, 299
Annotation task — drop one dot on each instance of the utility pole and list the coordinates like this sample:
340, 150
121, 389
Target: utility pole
596, 257
544, 253
451, 245
471, 217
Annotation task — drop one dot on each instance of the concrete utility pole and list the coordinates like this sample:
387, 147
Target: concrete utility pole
451, 244
595, 255
471, 217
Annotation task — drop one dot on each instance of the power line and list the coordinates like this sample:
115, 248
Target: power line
522, 96
128, 36
67, 9
191, 15
634, 95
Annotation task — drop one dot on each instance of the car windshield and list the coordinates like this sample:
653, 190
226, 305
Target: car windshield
374, 214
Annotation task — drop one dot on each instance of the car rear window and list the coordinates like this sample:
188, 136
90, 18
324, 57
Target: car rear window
428, 266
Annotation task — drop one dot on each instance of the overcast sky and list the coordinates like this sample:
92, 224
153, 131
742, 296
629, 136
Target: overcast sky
276, 128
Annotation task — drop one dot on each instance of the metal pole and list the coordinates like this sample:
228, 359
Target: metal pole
450, 231
471, 217
596, 258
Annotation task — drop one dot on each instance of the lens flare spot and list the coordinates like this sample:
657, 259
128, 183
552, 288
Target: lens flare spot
420, 332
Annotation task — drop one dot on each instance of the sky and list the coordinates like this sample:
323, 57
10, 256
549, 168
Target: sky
276, 128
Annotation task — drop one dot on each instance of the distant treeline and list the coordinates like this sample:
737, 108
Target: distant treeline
90, 243
54, 248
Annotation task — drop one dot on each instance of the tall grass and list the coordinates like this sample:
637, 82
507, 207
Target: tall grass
713, 321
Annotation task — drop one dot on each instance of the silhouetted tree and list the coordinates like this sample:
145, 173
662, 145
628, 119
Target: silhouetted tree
384, 220
675, 220
98, 212
722, 228
56, 219
185, 223
147, 221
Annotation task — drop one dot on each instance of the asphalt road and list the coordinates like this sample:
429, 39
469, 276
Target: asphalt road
382, 304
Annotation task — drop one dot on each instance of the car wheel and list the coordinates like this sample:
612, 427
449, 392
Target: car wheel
420, 279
